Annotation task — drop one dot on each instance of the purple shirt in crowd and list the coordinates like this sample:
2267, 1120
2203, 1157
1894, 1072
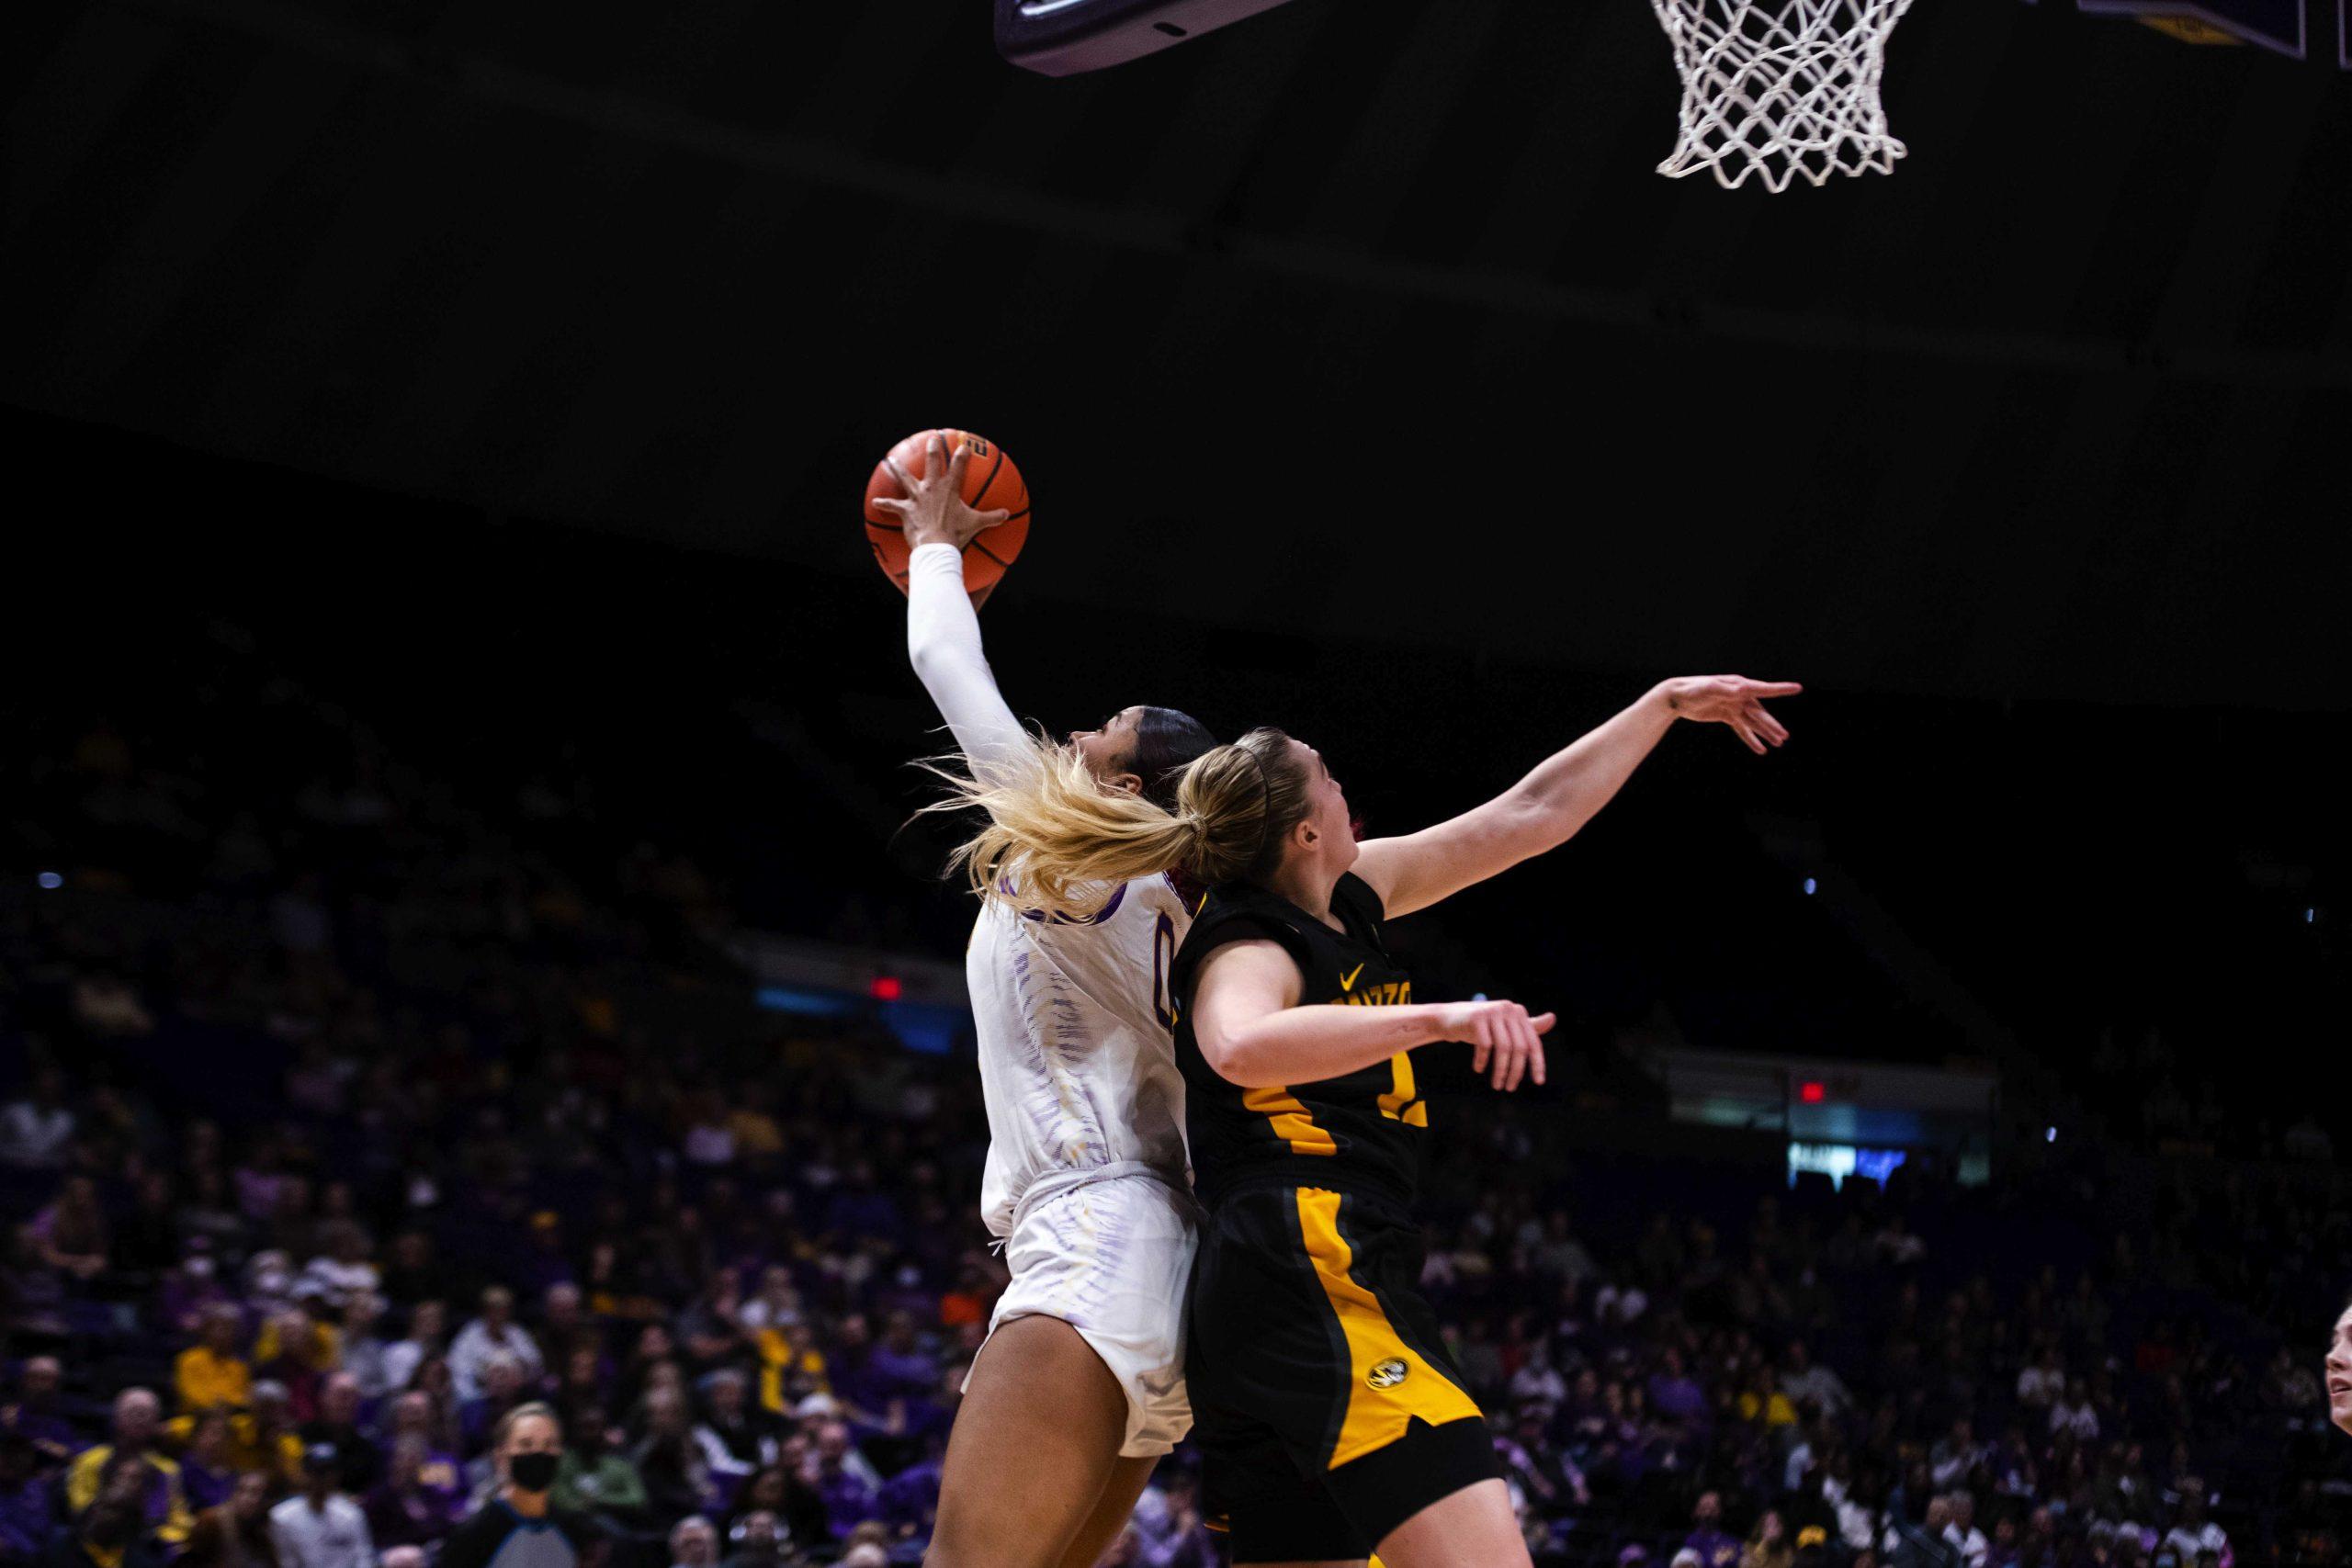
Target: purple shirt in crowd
1716, 1549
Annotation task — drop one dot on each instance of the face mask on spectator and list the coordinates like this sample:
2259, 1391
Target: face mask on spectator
532, 1472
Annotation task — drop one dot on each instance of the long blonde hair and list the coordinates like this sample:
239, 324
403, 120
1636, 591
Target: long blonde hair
1056, 837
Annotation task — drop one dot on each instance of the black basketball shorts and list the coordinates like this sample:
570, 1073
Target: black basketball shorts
1326, 1408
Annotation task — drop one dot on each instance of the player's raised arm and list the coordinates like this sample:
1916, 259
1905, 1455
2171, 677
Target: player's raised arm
942, 623
1253, 1033
1546, 809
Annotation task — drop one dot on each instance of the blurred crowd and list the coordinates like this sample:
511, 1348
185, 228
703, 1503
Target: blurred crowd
353, 1112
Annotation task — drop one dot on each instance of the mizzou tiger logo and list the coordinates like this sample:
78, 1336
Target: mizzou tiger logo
1386, 1375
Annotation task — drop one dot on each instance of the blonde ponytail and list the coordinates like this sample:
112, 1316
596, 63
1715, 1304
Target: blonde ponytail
1056, 839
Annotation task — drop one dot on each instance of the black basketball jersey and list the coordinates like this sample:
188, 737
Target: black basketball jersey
1362, 1132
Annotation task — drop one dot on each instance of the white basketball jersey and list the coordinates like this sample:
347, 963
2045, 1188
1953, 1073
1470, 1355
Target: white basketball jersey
1077, 1060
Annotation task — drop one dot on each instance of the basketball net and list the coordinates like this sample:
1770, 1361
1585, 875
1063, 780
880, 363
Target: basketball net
1781, 88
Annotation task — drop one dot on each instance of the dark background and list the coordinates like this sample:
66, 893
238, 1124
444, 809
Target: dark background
513, 367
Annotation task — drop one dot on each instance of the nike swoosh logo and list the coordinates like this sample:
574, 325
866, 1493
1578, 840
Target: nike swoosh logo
1349, 984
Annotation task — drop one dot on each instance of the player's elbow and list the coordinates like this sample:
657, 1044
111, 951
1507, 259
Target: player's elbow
1234, 1058
927, 652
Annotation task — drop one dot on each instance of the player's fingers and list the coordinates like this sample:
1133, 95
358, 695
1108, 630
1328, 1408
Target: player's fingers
1480, 1046
1516, 1066
1543, 1022
889, 504
899, 474
1536, 1062
1772, 688
956, 467
992, 519
1739, 727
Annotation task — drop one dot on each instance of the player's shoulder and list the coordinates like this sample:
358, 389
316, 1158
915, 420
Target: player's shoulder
1168, 892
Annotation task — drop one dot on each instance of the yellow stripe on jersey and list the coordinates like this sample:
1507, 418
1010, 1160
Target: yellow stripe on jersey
1399, 1104
1291, 1121
1389, 1383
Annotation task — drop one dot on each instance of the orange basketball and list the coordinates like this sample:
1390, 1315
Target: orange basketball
991, 482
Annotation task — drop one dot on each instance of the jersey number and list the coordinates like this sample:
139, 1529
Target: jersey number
1163, 959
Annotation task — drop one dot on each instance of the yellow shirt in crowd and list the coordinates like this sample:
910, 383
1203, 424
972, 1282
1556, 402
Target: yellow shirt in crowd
206, 1382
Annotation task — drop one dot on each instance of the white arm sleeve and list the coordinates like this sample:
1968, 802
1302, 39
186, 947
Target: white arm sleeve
944, 643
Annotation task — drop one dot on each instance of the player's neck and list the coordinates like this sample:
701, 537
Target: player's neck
1309, 887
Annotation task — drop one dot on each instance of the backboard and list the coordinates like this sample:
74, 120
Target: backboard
2298, 28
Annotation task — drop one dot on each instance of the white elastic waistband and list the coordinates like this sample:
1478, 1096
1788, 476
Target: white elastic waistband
1056, 1183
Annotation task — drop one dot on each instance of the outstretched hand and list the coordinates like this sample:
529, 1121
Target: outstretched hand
1733, 700
1503, 1039
933, 510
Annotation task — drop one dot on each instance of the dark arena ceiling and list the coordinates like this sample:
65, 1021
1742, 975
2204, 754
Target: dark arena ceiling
1313, 323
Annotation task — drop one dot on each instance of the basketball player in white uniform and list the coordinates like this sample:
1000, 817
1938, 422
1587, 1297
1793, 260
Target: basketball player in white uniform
1080, 1388
2340, 1371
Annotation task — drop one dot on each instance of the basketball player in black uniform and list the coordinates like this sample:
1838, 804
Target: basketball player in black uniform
1332, 1422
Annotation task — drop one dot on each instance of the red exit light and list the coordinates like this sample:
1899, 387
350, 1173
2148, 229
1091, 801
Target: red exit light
885, 988
1812, 1093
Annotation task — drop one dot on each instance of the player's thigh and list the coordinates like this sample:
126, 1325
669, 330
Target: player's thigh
1111, 1510
1473, 1527
1035, 1440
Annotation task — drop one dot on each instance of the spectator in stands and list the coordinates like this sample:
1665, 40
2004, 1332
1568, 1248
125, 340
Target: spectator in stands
405, 1509
319, 1526
72, 1232
406, 1355
781, 1490
366, 1354
26, 1511
595, 1477
520, 1527
1767, 1544
494, 1335
1961, 1532
504, 1388
344, 1271
2073, 1414
736, 1436
265, 1438
1955, 1454
693, 1543
1714, 1548
756, 1541
296, 1349
1921, 1544
1805, 1381
2192, 1533
206, 1471
151, 1479
234, 1532
108, 1534
211, 1374
37, 1128
336, 1427
36, 1414
843, 1478
2041, 1385
1675, 1395
669, 1461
